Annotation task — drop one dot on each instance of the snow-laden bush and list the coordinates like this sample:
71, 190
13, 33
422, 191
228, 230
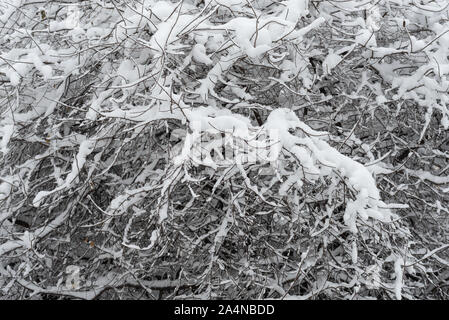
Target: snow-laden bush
223, 149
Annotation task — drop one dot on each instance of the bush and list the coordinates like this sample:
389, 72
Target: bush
224, 149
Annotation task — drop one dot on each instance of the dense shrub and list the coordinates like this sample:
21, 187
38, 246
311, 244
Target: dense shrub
224, 149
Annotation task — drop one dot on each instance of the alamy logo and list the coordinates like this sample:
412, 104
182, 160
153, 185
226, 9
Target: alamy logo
72, 20
73, 277
215, 147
